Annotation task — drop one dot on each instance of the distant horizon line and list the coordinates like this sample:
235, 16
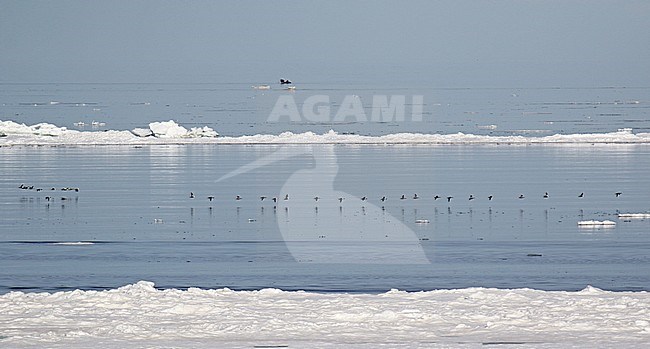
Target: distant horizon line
548, 87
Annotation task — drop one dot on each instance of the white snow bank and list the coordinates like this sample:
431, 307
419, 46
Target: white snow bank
169, 132
139, 315
634, 215
599, 223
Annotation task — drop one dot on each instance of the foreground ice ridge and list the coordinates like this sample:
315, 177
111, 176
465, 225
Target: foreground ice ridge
169, 132
141, 315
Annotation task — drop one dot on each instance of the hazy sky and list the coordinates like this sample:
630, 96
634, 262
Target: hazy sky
446, 43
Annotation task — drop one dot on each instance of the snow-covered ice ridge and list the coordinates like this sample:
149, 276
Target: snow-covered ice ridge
139, 315
169, 132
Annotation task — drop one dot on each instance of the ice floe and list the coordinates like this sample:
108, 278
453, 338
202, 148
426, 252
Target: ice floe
204, 131
140, 315
42, 129
74, 243
170, 129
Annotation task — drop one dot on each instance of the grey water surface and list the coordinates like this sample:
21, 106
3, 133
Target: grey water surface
134, 205
235, 108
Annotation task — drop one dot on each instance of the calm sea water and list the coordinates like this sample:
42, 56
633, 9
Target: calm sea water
235, 108
134, 204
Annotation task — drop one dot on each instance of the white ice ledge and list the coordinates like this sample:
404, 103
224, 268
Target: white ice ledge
169, 132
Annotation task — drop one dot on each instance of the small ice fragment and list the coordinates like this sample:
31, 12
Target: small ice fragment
597, 223
634, 215
74, 243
